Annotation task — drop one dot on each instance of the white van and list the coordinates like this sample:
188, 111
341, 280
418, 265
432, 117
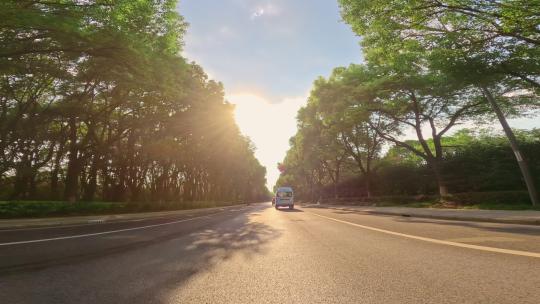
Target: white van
284, 197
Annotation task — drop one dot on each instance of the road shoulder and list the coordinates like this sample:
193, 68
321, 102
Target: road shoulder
99, 219
527, 217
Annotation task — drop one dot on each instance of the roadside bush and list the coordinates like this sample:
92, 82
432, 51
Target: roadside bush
473, 165
496, 197
20, 209
504, 200
11, 209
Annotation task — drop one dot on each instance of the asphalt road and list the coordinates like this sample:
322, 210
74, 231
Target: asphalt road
256, 254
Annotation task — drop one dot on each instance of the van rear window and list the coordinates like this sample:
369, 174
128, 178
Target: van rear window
284, 194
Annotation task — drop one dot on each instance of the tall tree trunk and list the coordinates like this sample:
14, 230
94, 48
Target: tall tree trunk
32, 185
22, 172
523, 166
312, 192
106, 181
367, 184
441, 181
72, 176
90, 189
20, 186
337, 178
120, 189
54, 194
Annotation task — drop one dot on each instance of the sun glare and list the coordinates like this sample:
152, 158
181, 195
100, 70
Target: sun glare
268, 125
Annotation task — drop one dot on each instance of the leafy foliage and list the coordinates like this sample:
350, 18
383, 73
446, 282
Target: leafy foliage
430, 66
95, 101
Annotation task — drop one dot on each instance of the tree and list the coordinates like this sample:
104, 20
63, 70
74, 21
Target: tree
348, 124
494, 44
97, 102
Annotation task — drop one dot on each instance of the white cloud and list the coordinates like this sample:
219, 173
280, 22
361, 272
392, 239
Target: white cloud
257, 13
226, 32
267, 9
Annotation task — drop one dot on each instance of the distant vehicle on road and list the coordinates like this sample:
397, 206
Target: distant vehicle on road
284, 197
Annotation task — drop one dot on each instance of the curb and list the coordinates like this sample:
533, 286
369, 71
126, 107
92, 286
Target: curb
535, 222
531, 222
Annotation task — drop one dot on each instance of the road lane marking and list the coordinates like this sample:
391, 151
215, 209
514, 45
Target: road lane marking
436, 241
85, 224
481, 239
105, 232
106, 221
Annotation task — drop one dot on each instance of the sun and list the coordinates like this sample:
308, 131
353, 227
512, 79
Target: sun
268, 125
248, 113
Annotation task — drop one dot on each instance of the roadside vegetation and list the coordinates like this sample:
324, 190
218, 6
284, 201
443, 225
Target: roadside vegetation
430, 68
30, 209
97, 104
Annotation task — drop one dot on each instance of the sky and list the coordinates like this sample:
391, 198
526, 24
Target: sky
267, 53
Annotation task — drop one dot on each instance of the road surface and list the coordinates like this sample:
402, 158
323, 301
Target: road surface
256, 254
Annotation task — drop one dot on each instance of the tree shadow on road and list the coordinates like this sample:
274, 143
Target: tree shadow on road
244, 238
144, 272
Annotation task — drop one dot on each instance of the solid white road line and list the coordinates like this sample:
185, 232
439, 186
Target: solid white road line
106, 232
88, 223
425, 239
105, 221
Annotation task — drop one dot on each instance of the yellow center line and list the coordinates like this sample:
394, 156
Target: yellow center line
425, 239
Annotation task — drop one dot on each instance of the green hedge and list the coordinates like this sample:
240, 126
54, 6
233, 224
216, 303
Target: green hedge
503, 200
498, 197
11, 209
29, 209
